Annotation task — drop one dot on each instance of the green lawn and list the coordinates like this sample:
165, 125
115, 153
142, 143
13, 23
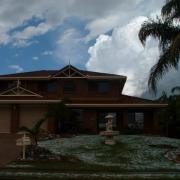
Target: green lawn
133, 157
132, 152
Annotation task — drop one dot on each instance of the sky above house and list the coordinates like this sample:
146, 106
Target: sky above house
97, 35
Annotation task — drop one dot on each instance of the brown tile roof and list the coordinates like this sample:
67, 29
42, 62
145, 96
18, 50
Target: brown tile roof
47, 73
42, 73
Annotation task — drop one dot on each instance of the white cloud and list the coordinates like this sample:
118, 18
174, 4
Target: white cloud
22, 38
47, 53
122, 53
101, 15
23, 42
67, 35
120, 15
70, 47
32, 31
35, 58
16, 67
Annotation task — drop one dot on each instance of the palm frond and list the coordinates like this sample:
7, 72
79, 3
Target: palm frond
25, 129
175, 50
171, 9
162, 30
38, 124
177, 88
158, 70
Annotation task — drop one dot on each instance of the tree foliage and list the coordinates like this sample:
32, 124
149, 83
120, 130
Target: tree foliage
170, 117
33, 131
167, 30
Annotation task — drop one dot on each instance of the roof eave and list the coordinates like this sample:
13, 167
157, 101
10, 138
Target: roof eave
147, 105
49, 77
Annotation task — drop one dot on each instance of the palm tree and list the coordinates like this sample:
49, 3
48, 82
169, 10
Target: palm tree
171, 9
34, 131
167, 30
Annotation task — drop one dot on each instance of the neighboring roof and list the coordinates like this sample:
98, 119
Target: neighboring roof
46, 74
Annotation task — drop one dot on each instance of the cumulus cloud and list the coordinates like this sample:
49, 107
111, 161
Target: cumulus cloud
121, 14
122, 53
16, 67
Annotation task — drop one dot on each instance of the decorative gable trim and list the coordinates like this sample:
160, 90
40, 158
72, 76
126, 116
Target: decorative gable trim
69, 71
19, 91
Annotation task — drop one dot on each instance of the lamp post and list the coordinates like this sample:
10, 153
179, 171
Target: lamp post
109, 133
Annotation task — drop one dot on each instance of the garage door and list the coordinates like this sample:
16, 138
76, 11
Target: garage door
5, 119
30, 114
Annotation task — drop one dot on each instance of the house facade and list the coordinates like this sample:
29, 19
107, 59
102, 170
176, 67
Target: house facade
25, 98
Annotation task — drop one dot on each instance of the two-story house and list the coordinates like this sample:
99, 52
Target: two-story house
24, 99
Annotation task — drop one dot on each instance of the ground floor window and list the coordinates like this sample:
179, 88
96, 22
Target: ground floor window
72, 123
102, 120
136, 120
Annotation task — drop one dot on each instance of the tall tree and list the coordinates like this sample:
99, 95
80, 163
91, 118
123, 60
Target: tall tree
167, 30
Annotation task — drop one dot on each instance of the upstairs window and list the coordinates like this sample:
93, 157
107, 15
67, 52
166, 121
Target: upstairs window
51, 86
69, 87
103, 87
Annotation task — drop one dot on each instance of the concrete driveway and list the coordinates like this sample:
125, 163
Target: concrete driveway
8, 149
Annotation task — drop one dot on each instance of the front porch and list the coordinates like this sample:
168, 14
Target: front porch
92, 121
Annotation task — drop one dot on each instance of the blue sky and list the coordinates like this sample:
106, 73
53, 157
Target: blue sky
39, 54
98, 35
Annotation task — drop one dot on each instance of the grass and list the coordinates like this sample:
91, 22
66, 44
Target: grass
130, 152
132, 155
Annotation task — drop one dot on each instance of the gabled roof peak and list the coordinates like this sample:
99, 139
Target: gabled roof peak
69, 71
19, 91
